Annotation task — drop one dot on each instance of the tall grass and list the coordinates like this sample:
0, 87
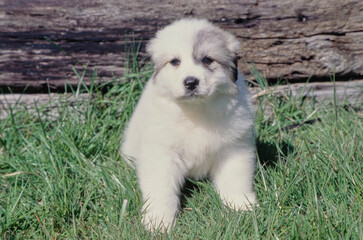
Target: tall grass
64, 178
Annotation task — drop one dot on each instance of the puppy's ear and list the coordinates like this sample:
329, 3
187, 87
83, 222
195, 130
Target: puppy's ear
150, 46
234, 69
233, 46
232, 43
157, 59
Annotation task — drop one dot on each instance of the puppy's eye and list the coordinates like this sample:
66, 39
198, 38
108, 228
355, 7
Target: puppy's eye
175, 62
207, 60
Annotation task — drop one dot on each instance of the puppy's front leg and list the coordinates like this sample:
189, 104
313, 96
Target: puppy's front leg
160, 180
233, 178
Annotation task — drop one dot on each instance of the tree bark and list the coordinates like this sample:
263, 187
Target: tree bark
285, 39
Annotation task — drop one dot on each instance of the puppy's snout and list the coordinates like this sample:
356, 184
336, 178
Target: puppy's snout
191, 83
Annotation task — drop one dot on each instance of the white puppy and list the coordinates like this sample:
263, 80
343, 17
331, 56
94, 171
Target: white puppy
193, 120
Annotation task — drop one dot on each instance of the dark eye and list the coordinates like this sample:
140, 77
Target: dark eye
175, 62
207, 60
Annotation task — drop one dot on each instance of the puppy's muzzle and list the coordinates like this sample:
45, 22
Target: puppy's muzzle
191, 83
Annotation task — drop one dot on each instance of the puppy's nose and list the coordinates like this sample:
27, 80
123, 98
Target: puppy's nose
191, 83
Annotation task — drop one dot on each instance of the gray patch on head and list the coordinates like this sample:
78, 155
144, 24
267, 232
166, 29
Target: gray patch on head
213, 42
209, 42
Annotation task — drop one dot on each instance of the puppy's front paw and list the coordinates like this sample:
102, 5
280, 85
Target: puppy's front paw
157, 221
242, 202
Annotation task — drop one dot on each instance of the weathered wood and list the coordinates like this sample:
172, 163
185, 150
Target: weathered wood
284, 38
350, 92
47, 105
322, 92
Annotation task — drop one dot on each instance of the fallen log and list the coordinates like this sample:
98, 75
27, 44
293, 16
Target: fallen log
346, 93
285, 39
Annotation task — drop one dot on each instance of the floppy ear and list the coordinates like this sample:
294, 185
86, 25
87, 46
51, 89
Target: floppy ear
150, 48
232, 43
157, 59
235, 69
233, 46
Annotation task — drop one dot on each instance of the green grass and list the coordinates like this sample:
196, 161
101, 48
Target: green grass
64, 178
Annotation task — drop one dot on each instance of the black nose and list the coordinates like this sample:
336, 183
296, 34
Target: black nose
191, 83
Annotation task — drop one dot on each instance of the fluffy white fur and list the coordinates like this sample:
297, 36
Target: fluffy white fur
176, 132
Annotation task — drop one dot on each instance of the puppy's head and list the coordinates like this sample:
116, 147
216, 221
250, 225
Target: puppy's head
193, 59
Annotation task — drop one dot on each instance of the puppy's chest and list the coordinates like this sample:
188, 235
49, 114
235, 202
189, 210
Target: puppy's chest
195, 144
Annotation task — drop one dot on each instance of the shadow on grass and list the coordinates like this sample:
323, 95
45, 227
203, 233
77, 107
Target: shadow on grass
190, 188
269, 153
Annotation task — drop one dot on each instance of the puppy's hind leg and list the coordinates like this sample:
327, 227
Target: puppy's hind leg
233, 178
160, 180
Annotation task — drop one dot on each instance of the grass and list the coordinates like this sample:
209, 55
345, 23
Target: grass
63, 178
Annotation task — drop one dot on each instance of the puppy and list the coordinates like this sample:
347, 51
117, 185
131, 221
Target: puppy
193, 120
